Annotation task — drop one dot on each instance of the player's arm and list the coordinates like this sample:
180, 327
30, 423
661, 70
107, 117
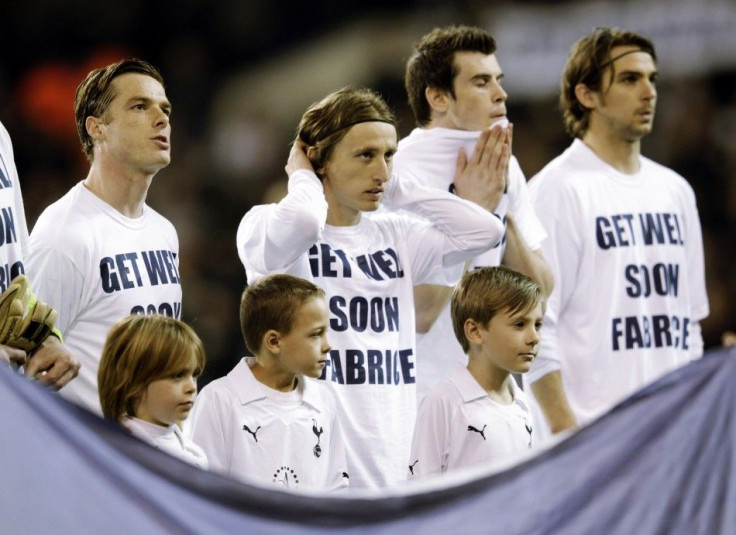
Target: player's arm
273, 237
481, 179
551, 397
519, 257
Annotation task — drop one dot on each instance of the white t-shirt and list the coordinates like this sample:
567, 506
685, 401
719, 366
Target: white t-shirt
252, 432
13, 229
428, 156
626, 252
169, 439
95, 266
368, 272
459, 426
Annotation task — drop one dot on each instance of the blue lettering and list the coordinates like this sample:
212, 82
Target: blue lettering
7, 233
154, 267
604, 234
354, 367
338, 321
110, 282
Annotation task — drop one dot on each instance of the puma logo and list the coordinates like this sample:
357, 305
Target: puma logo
412, 465
246, 428
481, 432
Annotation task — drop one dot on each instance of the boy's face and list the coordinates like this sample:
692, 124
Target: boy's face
304, 348
511, 342
169, 400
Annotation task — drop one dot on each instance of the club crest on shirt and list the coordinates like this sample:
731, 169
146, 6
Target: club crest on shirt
286, 476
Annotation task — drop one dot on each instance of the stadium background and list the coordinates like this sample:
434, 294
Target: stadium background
240, 73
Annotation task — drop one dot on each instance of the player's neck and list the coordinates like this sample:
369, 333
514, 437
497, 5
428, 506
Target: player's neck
622, 155
274, 378
123, 191
494, 380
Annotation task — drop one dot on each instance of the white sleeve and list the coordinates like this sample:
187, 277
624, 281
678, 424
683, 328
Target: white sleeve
521, 206
272, 238
208, 432
468, 228
561, 251
56, 280
430, 444
696, 274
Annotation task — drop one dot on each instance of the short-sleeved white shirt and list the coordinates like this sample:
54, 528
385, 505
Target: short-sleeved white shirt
252, 432
167, 438
458, 425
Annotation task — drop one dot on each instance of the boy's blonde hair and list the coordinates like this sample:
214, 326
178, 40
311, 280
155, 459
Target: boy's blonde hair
139, 350
484, 292
272, 303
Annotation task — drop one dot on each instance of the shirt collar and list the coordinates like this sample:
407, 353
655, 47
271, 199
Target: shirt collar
470, 390
250, 389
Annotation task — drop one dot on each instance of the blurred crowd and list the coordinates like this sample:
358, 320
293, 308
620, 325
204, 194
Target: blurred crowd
223, 163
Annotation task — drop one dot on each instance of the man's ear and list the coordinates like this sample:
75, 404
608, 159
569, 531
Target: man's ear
437, 99
312, 155
95, 127
587, 98
272, 341
472, 331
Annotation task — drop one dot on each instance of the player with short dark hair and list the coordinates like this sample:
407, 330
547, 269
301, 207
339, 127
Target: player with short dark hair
100, 252
454, 83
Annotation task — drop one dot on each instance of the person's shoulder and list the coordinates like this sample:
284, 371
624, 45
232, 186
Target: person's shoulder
64, 221
445, 393
652, 168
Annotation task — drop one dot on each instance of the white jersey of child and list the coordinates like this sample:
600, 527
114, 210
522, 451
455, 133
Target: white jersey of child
459, 426
255, 433
368, 272
428, 156
626, 252
167, 438
13, 229
96, 266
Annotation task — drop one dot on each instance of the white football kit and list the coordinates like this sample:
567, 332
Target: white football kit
255, 433
626, 252
428, 156
459, 426
368, 272
96, 266
167, 438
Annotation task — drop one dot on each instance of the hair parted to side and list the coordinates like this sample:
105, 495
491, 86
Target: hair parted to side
588, 61
432, 63
272, 303
484, 292
95, 93
326, 122
139, 350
